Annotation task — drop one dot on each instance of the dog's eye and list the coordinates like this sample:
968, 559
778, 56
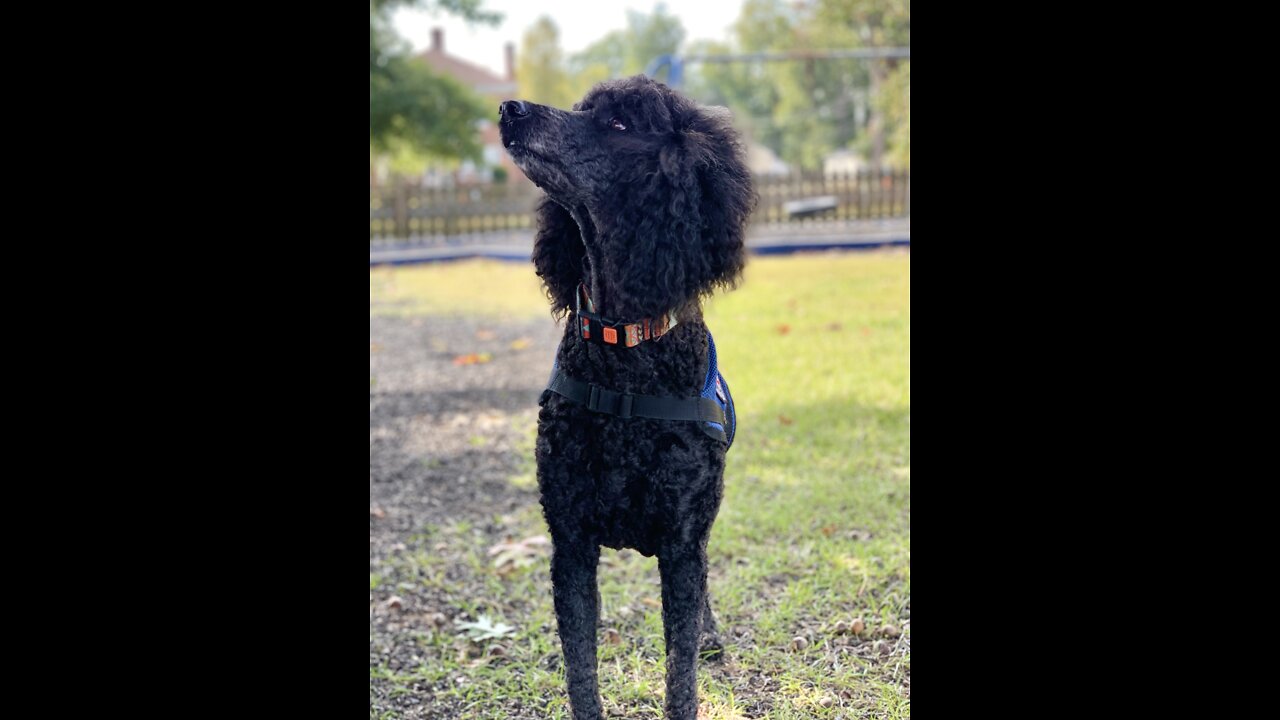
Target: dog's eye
617, 124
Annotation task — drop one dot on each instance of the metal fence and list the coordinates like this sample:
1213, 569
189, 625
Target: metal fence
406, 213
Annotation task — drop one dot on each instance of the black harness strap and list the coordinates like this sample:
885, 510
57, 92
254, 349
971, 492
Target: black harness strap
626, 405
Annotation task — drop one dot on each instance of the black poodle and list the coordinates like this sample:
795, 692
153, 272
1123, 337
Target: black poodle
647, 198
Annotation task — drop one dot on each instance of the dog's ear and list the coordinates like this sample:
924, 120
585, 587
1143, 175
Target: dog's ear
688, 219
676, 233
700, 203
557, 254
719, 159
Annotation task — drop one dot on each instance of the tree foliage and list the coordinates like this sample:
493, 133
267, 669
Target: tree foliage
805, 110
541, 73
413, 111
629, 51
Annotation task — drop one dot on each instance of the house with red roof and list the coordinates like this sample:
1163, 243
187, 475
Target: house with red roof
492, 88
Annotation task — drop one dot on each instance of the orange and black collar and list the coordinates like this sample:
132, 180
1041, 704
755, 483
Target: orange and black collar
597, 328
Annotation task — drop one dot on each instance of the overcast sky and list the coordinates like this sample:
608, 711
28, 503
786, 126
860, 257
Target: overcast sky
581, 23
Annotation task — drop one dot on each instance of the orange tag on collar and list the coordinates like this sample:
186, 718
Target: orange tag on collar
611, 336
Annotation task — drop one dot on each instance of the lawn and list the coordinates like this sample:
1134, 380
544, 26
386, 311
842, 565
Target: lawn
813, 538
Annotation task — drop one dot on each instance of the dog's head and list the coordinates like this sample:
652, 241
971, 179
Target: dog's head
662, 180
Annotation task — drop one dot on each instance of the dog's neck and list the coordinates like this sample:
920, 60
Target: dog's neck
593, 262
595, 268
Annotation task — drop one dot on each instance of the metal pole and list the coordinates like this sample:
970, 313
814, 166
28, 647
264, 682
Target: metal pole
675, 76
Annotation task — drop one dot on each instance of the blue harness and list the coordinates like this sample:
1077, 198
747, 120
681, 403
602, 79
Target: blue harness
717, 388
712, 409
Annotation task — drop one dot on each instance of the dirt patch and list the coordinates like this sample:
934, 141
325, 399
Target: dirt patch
444, 436
452, 408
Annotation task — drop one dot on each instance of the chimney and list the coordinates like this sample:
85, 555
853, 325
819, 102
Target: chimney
511, 62
437, 40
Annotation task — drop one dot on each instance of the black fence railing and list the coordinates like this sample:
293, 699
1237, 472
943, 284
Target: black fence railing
402, 212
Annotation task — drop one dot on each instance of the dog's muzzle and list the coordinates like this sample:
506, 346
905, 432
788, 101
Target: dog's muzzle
512, 110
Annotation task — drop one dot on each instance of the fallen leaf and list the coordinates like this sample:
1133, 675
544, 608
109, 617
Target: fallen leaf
485, 335
784, 329
650, 602
785, 420
511, 555
378, 512
866, 331
484, 629
828, 529
521, 343
472, 359
835, 327
536, 541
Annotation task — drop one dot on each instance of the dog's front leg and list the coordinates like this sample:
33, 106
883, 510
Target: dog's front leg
573, 580
683, 567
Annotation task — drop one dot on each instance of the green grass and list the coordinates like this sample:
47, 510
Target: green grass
490, 288
815, 525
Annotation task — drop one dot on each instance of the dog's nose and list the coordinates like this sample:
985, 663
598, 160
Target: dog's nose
513, 109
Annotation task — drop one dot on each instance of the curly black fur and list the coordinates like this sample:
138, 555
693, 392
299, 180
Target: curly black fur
651, 218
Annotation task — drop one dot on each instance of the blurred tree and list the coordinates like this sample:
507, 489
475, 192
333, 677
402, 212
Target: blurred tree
805, 110
820, 102
766, 25
746, 88
542, 74
629, 51
609, 51
895, 103
585, 77
877, 23
601, 60
412, 111
651, 36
